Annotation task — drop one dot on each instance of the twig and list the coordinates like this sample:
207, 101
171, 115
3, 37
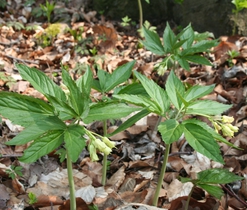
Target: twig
9, 44
21, 60
230, 192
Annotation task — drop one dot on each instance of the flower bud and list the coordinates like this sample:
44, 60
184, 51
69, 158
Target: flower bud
102, 146
109, 143
233, 128
216, 126
227, 131
92, 152
227, 119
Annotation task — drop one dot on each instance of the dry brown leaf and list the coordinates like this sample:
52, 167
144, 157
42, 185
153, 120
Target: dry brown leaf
18, 186
179, 204
117, 178
133, 197
107, 37
4, 196
81, 205
47, 200
178, 189
221, 50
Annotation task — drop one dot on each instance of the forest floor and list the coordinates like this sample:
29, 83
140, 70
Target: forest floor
135, 162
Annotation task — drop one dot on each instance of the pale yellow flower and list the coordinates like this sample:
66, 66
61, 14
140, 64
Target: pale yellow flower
227, 119
233, 128
227, 131
101, 146
216, 126
92, 152
109, 143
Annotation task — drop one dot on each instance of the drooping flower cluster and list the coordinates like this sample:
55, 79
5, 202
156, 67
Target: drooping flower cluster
224, 124
103, 145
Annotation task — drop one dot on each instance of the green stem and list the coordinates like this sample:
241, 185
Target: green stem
104, 169
188, 199
161, 176
157, 124
71, 183
140, 11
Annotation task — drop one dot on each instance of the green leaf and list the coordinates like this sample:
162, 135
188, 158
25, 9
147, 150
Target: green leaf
84, 83
212, 190
74, 141
103, 77
111, 110
119, 75
62, 107
202, 141
170, 130
197, 59
131, 121
182, 62
40, 81
156, 93
75, 96
197, 91
134, 88
217, 176
36, 129
211, 131
96, 85
173, 87
140, 100
169, 39
188, 35
207, 107
43, 145
201, 46
23, 110
152, 42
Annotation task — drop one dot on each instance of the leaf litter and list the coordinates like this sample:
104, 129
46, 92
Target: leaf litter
136, 161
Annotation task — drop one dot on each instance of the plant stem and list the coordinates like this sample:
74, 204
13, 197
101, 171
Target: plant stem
161, 176
188, 199
104, 169
71, 183
140, 11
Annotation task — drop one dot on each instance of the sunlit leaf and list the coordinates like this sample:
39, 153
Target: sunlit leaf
173, 87
74, 141
36, 129
202, 141
171, 130
112, 110
43, 145
207, 107
40, 81
23, 110
152, 42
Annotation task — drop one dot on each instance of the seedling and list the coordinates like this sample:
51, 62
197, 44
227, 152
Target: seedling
209, 181
16, 25
94, 51
14, 171
232, 54
125, 21
179, 49
239, 5
32, 198
48, 8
